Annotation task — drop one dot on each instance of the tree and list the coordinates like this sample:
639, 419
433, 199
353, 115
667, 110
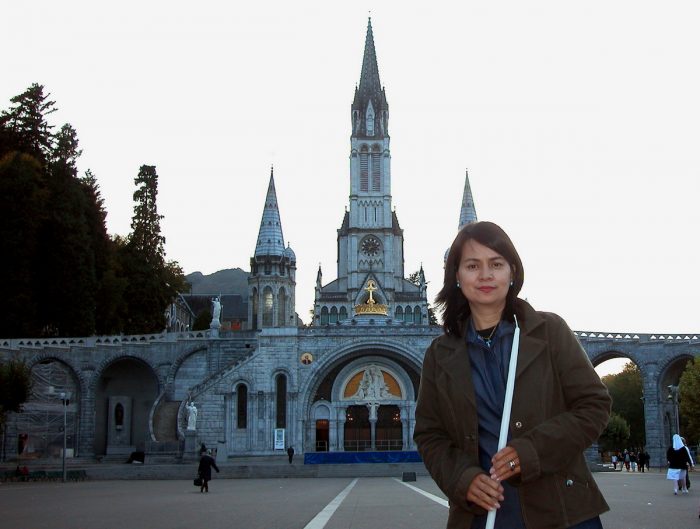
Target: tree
689, 400
416, 278
626, 391
15, 387
24, 126
616, 434
202, 321
66, 278
22, 198
152, 284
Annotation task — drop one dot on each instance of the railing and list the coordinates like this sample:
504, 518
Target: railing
322, 446
366, 446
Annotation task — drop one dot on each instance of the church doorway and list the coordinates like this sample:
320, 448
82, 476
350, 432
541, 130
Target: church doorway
322, 435
389, 431
358, 435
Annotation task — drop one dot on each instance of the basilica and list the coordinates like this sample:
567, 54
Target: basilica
344, 385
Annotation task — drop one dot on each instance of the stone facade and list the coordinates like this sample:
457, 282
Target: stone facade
347, 382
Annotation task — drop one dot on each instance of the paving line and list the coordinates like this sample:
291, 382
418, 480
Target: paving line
436, 499
321, 519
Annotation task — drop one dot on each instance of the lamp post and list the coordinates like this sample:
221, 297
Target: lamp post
65, 401
673, 399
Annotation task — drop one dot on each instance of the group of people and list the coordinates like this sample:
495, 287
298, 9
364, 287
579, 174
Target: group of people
635, 459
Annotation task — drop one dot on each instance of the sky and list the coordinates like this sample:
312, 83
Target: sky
579, 124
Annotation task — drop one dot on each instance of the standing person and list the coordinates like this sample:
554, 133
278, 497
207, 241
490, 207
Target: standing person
628, 460
640, 460
560, 406
692, 463
633, 460
647, 458
678, 459
614, 461
206, 463
290, 453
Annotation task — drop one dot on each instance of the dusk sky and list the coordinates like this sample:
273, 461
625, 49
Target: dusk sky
579, 124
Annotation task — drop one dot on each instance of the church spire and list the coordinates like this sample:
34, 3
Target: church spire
370, 108
270, 238
467, 215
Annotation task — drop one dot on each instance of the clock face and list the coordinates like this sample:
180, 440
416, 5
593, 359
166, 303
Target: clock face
371, 246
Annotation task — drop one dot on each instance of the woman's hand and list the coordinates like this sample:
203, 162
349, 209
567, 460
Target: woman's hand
506, 464
485, 492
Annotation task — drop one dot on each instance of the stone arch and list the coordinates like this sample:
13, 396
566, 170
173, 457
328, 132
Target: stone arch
40, 424
135, 383
177, 384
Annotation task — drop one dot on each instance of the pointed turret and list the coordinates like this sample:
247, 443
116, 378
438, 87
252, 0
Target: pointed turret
270, 239
370, 110
467, 215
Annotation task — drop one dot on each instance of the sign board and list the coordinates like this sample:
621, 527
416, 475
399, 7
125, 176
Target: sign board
279, 438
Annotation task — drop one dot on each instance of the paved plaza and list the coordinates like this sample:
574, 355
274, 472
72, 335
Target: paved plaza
638, 501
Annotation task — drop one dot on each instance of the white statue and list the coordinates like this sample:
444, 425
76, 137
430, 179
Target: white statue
191, 415
372, 386
216, 309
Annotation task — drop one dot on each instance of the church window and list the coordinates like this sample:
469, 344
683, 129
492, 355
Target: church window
370, 120
333, 316
254, 323
398, 314
268, 268
282, 309
324, 316
417, 315
364, 171
408, 315
241, 406
268, 305
281, 401
343, 314
376, 169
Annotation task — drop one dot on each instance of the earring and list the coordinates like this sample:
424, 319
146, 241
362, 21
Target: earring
511, 282
458, 284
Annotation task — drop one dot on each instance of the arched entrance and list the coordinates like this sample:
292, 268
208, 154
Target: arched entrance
37, 432
126, 391
370, 400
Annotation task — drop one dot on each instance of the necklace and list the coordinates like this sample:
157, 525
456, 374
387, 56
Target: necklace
486, 335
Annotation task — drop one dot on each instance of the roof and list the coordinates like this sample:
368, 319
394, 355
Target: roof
270, 238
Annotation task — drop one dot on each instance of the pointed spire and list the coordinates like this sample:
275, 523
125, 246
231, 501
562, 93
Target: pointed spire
369, 107
369, 78
270, 238
468, 213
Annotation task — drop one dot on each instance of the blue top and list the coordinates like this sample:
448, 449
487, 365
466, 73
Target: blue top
489, 366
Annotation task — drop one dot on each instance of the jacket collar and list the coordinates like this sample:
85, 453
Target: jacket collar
455, 360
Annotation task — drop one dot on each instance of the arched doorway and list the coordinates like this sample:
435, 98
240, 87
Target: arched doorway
357, 434
37, 432
389, 434
125, 393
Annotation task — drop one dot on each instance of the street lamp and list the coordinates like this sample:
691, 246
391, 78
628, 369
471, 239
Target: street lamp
673, 399
65, 401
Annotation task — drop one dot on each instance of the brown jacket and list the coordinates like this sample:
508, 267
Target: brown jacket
560, 407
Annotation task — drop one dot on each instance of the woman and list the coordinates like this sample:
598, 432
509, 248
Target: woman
540, 479
678, 459
206, 463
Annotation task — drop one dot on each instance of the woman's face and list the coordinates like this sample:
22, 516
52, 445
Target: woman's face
484, 276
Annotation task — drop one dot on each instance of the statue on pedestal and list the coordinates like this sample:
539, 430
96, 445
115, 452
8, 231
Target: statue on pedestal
191, 415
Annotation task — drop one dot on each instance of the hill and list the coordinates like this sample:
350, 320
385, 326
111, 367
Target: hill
229, 281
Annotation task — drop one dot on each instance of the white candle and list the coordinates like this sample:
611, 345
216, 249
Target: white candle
507, 405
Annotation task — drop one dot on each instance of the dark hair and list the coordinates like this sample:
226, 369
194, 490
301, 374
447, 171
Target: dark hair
450, 299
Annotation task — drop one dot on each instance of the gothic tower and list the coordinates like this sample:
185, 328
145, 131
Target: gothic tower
272, 279
370, 239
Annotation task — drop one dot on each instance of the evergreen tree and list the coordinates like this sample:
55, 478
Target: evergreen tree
109, 296
66, 257
24, 126
22, 198
152, 284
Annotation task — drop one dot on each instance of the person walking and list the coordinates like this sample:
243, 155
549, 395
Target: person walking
290, 454
560, 406
614, 461
206, 463
678, 462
